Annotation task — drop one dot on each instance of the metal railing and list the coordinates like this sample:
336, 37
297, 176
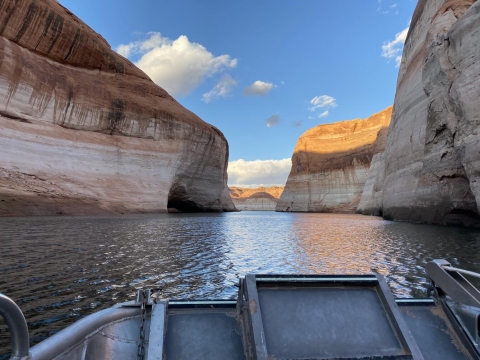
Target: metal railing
17, 326
461, 271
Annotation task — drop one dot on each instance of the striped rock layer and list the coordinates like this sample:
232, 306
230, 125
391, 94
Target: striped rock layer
330, 165
430, 170
83, 131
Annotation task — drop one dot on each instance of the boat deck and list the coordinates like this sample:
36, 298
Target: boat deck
284, 317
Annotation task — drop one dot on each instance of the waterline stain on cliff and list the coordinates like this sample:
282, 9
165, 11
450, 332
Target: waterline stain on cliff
330, 165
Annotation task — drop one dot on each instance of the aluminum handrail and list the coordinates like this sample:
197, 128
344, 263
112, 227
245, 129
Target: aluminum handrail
461, 271
17, 326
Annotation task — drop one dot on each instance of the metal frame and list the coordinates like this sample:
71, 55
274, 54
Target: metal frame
399, 324
83, 329
459, 299
18, 327
453, 283
253, 319
157, 330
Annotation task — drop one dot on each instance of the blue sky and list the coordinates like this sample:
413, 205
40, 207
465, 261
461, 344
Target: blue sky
263, 72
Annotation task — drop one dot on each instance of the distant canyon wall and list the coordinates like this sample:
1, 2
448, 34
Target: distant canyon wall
430, 170
256, 199
330, 165
84, 131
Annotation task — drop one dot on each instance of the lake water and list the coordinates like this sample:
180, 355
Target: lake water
59, 269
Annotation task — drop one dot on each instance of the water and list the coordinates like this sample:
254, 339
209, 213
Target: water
59, 269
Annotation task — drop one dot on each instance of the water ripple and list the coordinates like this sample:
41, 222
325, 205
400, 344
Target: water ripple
59, 269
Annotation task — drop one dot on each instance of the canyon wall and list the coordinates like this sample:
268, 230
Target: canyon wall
330, 165
430, 169
256, 199
83, 131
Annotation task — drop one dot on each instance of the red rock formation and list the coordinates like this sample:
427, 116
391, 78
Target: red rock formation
330, 165
430, 170
256, 199
85, 131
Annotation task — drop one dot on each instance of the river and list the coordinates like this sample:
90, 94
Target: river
59, 269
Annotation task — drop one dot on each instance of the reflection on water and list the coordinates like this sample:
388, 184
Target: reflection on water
59, 269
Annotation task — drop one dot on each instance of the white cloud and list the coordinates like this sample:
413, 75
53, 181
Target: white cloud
393, 49
323, 114
273, 120
179, 66
393, 6
258, 172
222, 89
124, 50
322, 101
258, 88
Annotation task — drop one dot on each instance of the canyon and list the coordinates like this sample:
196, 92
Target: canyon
84, 131
256, 199
429, 171
330, 165
424, 167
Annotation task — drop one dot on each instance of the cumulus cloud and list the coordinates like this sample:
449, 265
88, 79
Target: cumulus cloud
322, 101
393, 49
258, 172
222, 89
323, 114
179, 66
273, 120
258, 88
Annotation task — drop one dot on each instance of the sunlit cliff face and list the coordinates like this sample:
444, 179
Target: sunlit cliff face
330, 164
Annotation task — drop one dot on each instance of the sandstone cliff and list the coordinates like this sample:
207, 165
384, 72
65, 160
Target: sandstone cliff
84, 131
256, 199
431, 166
330, 164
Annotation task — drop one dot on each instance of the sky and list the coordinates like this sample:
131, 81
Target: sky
262, 71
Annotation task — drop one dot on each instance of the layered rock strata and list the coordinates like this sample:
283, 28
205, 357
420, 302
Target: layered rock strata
330, 165
256, 199
84, 131
431, 166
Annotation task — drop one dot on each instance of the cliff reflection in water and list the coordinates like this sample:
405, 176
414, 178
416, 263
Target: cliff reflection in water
59, 269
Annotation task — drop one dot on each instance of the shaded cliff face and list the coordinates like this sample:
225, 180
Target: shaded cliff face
330, 164
256, 199
431, 164
85, 131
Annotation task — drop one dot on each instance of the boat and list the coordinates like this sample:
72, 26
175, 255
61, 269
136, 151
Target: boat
276, 317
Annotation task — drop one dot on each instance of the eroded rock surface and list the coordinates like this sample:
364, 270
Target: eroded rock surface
82, 130
256, 199
330, 165
431, 166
